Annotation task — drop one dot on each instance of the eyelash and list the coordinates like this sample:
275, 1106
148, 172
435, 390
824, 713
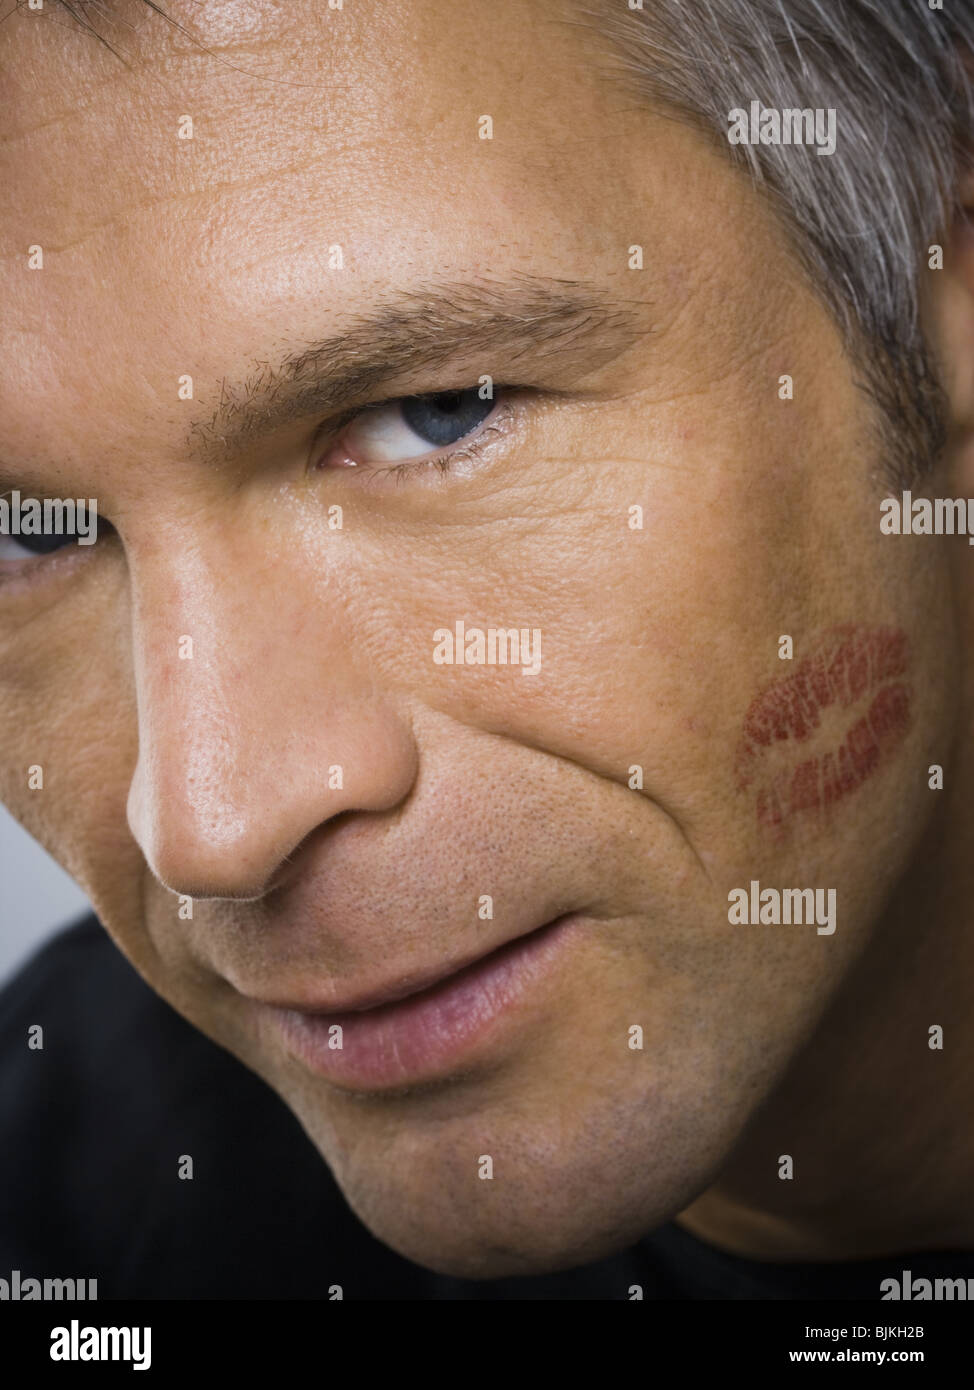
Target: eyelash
443, 462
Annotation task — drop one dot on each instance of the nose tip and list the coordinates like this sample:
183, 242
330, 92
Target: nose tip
209, 830
273, 725
196, 844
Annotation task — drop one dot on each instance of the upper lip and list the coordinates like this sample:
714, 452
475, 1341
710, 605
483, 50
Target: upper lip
391, 993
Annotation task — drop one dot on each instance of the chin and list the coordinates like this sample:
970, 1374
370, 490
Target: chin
527, 1229
564, 1191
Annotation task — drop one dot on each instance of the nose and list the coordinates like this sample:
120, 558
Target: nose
259, 719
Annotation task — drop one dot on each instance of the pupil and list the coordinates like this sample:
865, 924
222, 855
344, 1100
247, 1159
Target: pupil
444, 418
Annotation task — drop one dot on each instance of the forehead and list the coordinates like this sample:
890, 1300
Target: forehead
362, 123
316, 131
312, 128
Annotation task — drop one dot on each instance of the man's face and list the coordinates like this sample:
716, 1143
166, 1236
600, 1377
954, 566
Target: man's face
336, 187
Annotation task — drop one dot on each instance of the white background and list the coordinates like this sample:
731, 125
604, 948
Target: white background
36, 896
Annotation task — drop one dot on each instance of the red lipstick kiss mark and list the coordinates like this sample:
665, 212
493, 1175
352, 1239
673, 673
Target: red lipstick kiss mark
846, 666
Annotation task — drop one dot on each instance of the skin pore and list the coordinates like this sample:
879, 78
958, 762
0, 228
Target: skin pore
166, 777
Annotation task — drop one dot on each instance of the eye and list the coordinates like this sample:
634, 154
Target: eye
20, 548
410, 428
29, 555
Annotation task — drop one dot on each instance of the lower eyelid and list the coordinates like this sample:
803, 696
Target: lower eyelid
27, 556
35, 575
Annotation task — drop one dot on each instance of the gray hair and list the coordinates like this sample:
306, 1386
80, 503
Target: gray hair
899, 76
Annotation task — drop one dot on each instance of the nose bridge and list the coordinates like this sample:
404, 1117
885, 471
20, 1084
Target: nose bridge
255, 725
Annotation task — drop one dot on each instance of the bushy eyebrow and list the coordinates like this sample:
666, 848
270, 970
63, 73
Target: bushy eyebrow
558, 325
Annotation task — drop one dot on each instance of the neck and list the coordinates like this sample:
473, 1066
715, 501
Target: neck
874, 1118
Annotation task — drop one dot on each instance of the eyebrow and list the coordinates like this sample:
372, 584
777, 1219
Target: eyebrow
562, 325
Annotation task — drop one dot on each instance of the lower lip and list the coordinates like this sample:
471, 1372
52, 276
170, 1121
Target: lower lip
428, 1035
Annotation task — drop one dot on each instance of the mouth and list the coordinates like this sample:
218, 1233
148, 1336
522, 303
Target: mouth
399, 1035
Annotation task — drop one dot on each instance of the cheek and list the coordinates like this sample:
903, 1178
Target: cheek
816, 735
67, 708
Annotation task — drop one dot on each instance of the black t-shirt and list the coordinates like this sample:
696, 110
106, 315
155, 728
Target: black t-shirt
93, 1126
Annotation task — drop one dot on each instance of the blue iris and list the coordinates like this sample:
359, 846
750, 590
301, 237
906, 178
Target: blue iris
444, 418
